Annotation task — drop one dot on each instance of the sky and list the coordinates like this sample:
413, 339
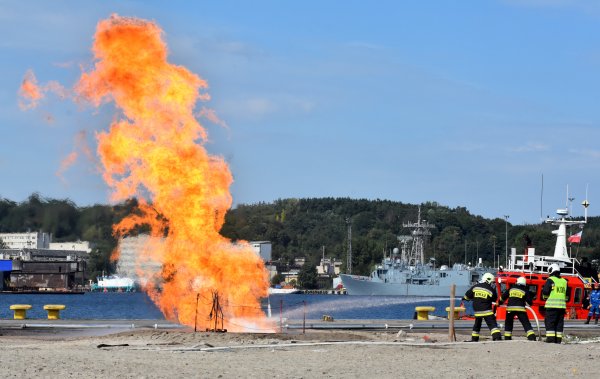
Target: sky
487, 105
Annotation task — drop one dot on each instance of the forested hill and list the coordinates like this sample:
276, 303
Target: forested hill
302, 227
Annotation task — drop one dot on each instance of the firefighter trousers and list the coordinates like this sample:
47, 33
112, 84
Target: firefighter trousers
490, 320
554, 322
522, 316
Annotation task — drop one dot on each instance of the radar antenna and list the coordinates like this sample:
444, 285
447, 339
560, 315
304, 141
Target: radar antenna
420, 229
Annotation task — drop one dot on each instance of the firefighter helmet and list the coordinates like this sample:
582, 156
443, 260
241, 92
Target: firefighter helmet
488, 278
521, 281
553, 268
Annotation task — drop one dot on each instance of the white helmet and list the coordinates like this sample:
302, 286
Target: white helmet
521, 281
487, 278
553, 268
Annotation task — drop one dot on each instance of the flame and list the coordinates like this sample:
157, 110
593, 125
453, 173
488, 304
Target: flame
155, 153
80, 145
29, 92
211, 115
67, 162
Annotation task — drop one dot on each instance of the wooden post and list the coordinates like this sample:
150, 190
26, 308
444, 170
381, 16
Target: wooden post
304, 319
196, 316
281, 315
451, 335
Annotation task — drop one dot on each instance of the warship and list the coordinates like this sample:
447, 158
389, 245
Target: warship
405, 272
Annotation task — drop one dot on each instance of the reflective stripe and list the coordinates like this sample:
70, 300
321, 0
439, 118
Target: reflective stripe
483, 289
515, 308
475, 334
550, 334
558, 296
483, 313
508, 334
530, 332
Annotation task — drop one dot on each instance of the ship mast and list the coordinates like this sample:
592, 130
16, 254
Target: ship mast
420, 230
560, 249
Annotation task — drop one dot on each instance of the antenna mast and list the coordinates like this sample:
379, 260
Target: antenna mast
420, 229
542, 200
349, 261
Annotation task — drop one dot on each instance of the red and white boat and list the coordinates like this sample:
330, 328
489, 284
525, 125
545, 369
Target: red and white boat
534, 268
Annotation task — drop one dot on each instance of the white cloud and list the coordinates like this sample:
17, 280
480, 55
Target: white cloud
532, 147
588, 153
267, 106
467, 147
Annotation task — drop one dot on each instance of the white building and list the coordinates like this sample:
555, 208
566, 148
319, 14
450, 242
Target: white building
263, 249
329, 266
77, 246
130, 264
32, 240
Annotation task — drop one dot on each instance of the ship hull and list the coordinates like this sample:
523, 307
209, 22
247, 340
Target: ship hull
365, 286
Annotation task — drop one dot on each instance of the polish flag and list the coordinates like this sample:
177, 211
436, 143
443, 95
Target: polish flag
575, 238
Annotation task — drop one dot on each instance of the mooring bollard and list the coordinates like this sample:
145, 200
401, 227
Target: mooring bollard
54, 310
423, 312
20, 311
457, 311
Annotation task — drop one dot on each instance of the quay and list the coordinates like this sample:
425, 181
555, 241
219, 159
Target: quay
63, 327
324, 292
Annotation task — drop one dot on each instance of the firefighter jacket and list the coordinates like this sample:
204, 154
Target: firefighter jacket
555, 290
518, 297
482, 295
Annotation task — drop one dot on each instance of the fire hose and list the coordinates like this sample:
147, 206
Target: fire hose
537, 321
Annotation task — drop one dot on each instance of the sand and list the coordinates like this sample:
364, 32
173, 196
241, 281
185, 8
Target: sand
317, 354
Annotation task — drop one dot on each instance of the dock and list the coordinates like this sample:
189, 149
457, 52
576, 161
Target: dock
324, 292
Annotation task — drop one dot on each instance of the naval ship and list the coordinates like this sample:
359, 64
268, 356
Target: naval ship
406, 273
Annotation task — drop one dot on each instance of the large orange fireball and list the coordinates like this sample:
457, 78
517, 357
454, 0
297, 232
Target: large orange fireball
155, 152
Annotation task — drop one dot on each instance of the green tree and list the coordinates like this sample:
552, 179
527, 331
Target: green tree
308, 276
277, 279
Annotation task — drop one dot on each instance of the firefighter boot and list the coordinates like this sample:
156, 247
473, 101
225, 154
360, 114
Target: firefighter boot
497, 337
507, 337
531, 337
588, 320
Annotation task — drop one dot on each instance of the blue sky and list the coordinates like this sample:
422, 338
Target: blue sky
463, 103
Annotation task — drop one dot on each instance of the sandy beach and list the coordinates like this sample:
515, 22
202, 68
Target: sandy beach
151, 353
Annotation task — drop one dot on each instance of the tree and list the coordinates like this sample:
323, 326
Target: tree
277, 279
308, 276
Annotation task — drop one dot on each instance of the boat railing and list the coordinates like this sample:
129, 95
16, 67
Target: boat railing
539, 264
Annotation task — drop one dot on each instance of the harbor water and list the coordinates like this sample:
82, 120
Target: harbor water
138, 306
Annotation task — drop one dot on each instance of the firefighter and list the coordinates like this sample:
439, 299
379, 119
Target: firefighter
518, 297
594, 306
555, 292
483, 295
